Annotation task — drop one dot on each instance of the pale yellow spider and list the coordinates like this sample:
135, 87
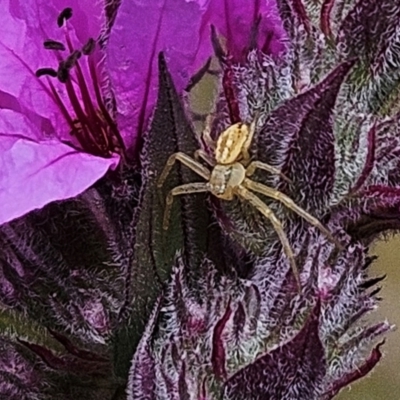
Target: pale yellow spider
229, 177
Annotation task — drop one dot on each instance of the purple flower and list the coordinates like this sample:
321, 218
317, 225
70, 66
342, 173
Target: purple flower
246, 26
140, 31
37, 116
57, 96
58, 130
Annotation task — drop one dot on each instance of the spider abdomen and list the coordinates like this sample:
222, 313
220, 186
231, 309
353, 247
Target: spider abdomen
230, 143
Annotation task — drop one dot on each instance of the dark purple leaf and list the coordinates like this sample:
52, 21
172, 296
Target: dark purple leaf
141, 382
253, 301
300, 133
218, 356
369, 162
53, 361
170, 132
239, 320
370, 32
301, 14
20, 380
75, 351
378, 211
287, 17
364, 369
293, 14
69, 365
363, 29
325, 18
183, 389
294, 370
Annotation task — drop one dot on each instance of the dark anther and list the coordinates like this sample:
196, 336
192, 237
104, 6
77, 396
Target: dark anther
63, 72
65, 15
72, 59
46, 71
53, 45
89, 47
65, 66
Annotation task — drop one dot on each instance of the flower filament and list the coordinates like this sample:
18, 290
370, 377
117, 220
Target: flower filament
91, 123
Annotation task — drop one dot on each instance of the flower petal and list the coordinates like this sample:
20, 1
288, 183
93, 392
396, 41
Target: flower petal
34, 173
23, 29
245, 24
141, 31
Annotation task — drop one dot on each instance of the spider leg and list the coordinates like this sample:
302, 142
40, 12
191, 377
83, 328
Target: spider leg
289, 203
186, 160
188, 188
206, 136
254, 165
268, 213
204, 156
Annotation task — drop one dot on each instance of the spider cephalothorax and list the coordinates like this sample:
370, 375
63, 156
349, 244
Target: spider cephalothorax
229, 177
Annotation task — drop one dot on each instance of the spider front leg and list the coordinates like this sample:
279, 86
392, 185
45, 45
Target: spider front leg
289, 203
206, 136
254, 165
201, 154
188, 188
186, 160
268, 213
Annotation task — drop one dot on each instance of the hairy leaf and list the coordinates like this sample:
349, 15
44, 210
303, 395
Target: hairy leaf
155, 248
298, 139
293, 370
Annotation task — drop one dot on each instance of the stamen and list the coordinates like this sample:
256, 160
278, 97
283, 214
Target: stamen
46, 71
73, 58
60, 104
83, 127
94, 122
91, 124
116, 135
66, 65
79, 133
50, 44
89, 47
65, 15
62, 72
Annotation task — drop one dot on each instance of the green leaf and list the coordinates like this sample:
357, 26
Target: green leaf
155, 248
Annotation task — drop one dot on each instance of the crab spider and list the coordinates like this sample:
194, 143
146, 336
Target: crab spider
228, 177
